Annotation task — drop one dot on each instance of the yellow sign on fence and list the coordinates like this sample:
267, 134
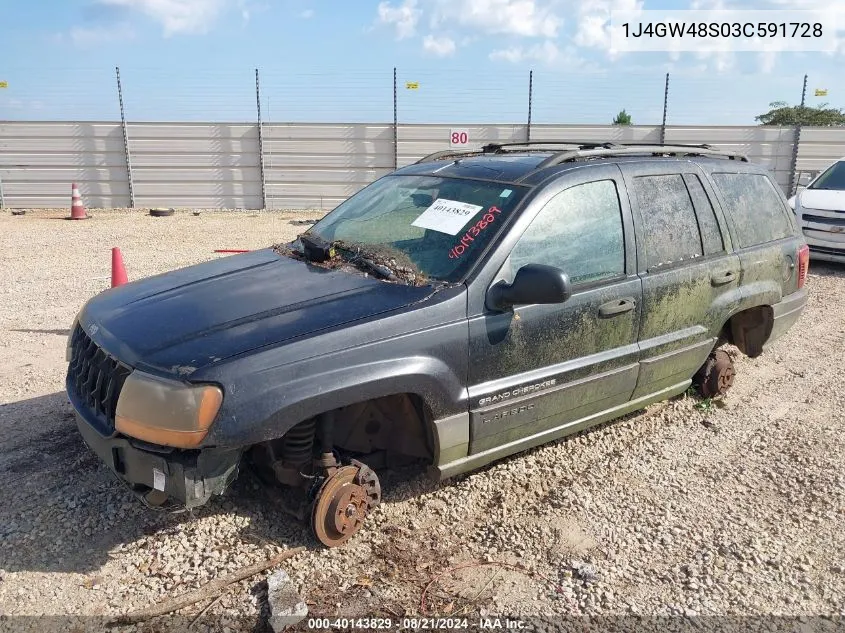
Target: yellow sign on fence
4, 84
821, 92
412, 85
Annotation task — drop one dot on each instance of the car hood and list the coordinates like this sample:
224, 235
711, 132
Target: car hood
822, 199
180, 321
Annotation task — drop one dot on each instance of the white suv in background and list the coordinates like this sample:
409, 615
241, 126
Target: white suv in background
820, 210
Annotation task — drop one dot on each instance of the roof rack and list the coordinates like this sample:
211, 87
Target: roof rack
498, 148
502, 148
449, 153
634, 149
583, 149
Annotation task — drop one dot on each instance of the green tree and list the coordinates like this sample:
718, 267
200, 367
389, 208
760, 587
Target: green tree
782, 113
623, 118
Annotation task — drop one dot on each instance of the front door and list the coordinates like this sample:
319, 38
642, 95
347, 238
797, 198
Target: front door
538, 368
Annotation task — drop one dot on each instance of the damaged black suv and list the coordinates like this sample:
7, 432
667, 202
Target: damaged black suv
454, 312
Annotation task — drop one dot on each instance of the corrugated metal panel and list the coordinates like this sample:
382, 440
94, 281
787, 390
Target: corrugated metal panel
309, 166
597, 133
40, 161
416, 141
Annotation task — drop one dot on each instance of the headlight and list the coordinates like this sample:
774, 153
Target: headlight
166, 412
68, 348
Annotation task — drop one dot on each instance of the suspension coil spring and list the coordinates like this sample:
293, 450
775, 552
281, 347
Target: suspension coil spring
298, 443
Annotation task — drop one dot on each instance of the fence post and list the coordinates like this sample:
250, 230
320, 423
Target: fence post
793, 183
530, 103
395, 123
665, 110
125, 140
260, 143
2, 202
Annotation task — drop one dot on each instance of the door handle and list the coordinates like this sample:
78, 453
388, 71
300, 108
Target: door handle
617, 306
720, 279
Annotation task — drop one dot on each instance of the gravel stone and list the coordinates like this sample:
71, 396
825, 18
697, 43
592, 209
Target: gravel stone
676, 517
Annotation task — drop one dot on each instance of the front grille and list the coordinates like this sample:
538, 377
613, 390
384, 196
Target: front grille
96, 378
824, 220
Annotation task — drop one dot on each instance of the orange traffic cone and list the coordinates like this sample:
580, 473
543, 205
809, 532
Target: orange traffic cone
77, 209
118, 271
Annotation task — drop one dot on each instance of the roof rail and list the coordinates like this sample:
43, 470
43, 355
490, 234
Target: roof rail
582, 149
449, 153
639, 149
500, 147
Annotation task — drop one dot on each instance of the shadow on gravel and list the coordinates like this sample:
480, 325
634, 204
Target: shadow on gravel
57, 332
62, 510
827, 269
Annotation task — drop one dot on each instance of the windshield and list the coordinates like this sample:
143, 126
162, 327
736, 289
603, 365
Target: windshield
436, 226
833, 178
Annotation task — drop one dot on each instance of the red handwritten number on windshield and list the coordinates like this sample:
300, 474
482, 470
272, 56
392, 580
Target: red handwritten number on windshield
459, 138
486, 220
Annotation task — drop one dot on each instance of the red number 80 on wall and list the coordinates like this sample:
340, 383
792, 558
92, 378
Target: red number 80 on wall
458, 138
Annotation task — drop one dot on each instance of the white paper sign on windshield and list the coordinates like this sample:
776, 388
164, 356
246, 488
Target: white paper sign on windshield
446, 216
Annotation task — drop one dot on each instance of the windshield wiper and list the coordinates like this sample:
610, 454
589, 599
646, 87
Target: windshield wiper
355, 258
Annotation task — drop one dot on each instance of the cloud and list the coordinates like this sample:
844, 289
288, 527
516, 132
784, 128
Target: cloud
176, 16
524, 18
91, 37
403, 18
593, 30
307, 14
439, 46
547, 53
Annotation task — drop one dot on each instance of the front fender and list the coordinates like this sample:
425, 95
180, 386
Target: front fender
275, 403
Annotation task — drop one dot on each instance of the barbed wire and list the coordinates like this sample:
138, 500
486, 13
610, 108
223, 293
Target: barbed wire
450, 95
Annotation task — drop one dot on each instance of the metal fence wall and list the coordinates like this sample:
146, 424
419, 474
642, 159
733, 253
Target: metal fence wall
305, 166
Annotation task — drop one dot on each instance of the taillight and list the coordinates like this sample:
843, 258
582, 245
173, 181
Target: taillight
803, 264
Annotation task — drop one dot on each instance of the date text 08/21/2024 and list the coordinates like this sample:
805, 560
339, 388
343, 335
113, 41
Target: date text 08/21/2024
428, 624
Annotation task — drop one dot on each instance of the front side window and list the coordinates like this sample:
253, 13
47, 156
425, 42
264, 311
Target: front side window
438, 227
579, 231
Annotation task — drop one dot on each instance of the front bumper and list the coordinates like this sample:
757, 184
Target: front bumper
824, 245
189, 478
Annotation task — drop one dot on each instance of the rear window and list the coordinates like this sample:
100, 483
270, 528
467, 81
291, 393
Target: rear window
757, 210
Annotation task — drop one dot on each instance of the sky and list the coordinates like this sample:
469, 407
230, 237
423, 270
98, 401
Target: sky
333, 61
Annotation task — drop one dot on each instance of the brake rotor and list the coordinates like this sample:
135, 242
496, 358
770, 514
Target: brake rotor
717, 374
368, 480
340, 507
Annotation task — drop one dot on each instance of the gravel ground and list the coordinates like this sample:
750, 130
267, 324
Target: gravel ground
735, 508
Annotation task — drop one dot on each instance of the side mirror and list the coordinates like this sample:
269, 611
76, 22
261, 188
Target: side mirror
533, 283
791, 201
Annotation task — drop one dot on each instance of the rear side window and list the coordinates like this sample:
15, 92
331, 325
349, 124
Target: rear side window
670, 228
711, 235
757, 210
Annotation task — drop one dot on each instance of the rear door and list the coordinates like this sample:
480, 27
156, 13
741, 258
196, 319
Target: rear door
690, 275
539, 370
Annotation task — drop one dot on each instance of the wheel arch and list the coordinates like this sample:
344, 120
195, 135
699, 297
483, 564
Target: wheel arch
748, 329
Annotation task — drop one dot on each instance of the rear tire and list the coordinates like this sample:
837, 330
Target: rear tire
716, 375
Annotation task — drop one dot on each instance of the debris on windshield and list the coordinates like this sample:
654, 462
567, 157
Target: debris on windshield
378, 260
